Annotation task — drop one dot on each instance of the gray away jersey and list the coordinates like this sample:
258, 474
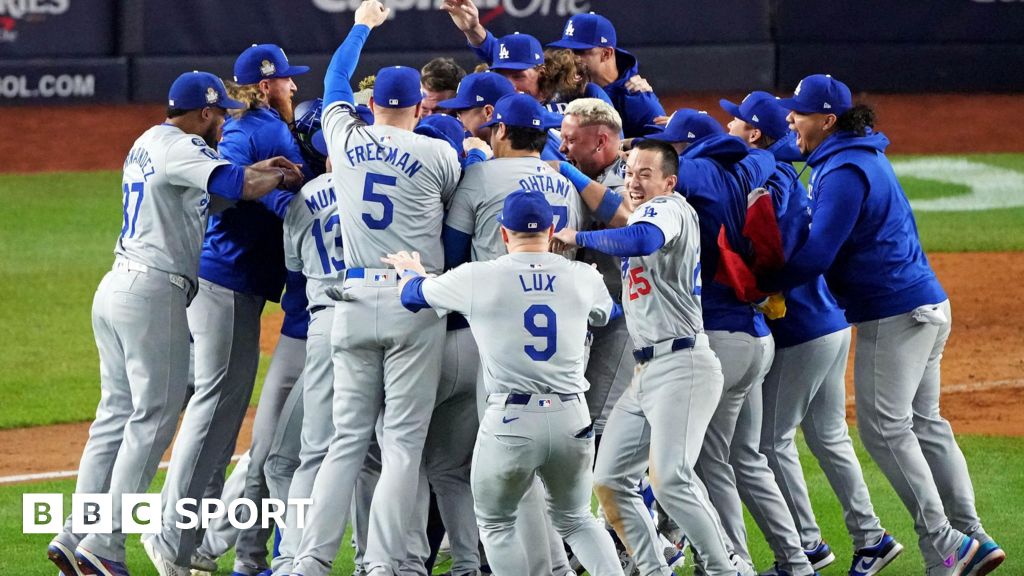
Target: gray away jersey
165, 202
392, 186
529, 314
312, 238
481, 194
661, 291
609, 266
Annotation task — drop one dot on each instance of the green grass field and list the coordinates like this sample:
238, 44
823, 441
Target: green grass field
56, 238
997, 465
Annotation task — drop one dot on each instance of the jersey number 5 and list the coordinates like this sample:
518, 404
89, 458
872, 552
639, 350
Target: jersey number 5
638, 285
549, 331
369, 195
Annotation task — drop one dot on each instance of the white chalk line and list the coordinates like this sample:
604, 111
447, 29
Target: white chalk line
61, 474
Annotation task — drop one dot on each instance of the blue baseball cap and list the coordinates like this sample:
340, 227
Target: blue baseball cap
762, 111
526, 211
585, 31
443, 127
819, 94
478, 89
261, 61
397, 87
194, 90
319, 142
522, 111
686, 125
517, 52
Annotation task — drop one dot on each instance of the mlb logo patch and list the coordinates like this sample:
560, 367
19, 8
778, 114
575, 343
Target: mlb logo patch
544, 403
379, 277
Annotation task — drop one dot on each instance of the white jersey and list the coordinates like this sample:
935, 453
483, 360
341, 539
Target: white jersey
165, 200
392, 186
312, 238
609, 266
481, 195
529, 314
661, 291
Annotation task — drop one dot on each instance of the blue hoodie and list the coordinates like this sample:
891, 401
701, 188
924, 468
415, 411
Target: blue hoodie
716, 173
294, 303
242, 249
811, 311
863, 235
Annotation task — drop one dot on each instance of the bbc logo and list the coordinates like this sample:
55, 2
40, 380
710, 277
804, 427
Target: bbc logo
90, 513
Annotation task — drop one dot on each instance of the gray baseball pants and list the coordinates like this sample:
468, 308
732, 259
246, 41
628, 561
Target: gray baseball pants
550, 437
285, 369
806, 387
609, 370
385, 357
658, 426
141, 331
225, 326
897, 380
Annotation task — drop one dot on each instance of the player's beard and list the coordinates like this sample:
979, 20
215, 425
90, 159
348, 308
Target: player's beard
285, 108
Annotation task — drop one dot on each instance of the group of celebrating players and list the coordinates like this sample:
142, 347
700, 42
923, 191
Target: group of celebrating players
505, 292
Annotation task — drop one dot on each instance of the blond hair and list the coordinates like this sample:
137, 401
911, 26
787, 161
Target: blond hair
562, 76
248, 94
595, 112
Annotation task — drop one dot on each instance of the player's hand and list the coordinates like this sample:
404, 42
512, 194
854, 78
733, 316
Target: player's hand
662, 120
566, 237
372, 13
474, 143
638, 83
404, 261
464, 14
293, 177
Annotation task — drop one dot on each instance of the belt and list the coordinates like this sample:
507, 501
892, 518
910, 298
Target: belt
125, 264
664, 347
373, 276
524, 399
316, 309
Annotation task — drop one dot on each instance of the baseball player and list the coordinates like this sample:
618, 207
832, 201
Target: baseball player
659, 423
473, 103
592, 37
439, 79
806, 382
536, 422
391, 187
517, 132
139, 310
241, 267
902, 315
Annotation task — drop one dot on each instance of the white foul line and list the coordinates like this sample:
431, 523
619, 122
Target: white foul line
64, 474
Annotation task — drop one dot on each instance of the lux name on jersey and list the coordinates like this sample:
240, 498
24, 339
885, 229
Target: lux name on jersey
321, 199
537, 282
545, 184
378, 152
140, 157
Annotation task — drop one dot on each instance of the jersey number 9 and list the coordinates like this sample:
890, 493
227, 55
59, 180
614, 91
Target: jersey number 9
549, 331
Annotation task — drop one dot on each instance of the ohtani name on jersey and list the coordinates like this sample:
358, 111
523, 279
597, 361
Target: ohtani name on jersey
546, 184
538, 282
376, 152
139, 156
321, 199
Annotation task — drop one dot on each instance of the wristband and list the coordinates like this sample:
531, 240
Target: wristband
610, 203
578, 179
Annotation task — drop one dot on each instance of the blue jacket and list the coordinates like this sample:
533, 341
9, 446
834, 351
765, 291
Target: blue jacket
864, 237
811, 311
637, 109
242, 249
296, 316
716, 173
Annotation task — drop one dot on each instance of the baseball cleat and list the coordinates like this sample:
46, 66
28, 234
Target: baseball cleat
89, 564
64, 558
629, 567
203, 563
871, 559
674, 557
956, 563
741, 566
164, 567
988, 557
820, 556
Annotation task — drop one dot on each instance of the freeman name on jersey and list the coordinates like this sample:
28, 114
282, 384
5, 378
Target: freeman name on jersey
382, 153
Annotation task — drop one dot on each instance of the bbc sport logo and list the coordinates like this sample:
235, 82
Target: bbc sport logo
141, 513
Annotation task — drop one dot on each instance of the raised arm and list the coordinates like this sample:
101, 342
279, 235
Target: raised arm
338, 81
466, 17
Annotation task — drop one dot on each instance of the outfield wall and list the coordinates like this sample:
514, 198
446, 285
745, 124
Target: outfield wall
61, 51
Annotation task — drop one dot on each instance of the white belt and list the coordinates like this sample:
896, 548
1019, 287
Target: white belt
122, 263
